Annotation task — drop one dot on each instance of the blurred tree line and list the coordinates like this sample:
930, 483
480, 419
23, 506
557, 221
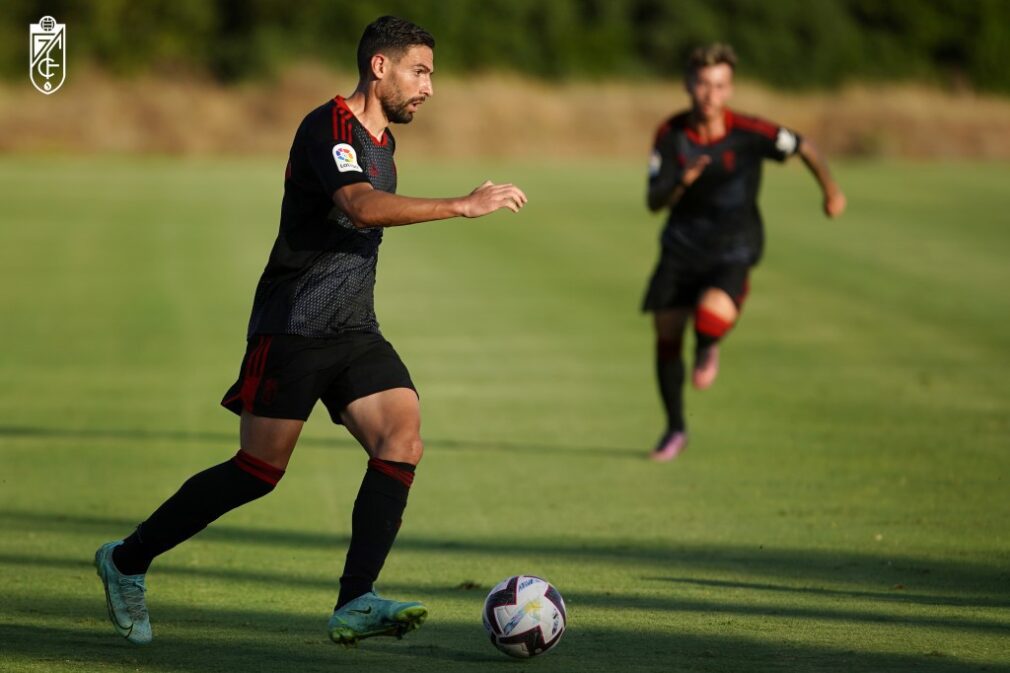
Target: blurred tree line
786, 43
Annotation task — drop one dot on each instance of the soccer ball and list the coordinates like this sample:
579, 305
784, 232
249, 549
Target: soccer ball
525, 616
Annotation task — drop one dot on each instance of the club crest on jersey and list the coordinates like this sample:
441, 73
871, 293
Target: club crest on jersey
47, 65
346, 158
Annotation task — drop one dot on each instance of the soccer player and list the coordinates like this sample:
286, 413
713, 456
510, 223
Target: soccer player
706, 170
313, 335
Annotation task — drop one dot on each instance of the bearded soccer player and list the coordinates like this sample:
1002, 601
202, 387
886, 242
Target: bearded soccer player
313, 335
705, 170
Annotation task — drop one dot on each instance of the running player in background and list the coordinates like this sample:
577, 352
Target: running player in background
313, 335
706, 169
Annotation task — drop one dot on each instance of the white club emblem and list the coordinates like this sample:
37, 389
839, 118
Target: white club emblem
47, 66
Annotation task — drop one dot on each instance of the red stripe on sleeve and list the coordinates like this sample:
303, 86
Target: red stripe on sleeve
755, 125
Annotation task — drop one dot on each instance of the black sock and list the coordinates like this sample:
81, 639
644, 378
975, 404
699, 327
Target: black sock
703, 342
374, 523
670, 373
202, 499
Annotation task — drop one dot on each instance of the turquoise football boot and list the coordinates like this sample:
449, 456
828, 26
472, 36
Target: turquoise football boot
369, 615
124, 597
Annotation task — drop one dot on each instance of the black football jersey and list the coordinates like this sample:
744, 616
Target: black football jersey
320, 278
717, 220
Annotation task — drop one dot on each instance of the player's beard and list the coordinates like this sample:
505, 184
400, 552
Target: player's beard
396, 107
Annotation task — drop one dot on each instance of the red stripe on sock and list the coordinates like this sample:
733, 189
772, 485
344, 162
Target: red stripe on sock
261, 470
710, 324
403, 476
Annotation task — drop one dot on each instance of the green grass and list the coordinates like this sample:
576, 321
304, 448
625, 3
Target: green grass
842, 507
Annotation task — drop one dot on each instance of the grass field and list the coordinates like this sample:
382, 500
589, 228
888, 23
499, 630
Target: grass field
843, 505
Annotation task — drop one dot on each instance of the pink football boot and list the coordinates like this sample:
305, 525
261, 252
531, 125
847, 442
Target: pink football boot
706, 367
671, 446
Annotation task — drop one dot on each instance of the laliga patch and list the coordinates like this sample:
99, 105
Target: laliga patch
346, 158
655, 163
786, 142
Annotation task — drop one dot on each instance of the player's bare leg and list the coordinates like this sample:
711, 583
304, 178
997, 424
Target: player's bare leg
669, 325
388, 426
271, 440
714, 317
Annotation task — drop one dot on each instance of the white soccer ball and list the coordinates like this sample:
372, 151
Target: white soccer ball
525, 616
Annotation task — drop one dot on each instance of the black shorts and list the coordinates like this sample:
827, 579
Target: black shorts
675, 286
283, 375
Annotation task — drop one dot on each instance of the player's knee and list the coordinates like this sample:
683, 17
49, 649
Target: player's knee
718, 302
402, 447
712, 324
416, 450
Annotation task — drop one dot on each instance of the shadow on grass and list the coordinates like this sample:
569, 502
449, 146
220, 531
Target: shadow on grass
339, 441
202, 638
576, 599
965, 583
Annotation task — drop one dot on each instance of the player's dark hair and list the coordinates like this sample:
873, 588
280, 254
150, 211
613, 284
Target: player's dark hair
709, 55
391, 36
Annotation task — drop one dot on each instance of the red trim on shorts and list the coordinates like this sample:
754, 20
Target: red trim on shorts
254, 367
710, 324
261, 470
403, 476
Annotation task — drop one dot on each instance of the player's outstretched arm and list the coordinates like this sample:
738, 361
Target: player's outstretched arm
368, 207
834, 199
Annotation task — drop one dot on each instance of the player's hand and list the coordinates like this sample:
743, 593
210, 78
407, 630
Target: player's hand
834, 203
489, 197
695, 169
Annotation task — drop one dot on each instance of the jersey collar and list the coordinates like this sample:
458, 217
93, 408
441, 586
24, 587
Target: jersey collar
341, 103
692, 135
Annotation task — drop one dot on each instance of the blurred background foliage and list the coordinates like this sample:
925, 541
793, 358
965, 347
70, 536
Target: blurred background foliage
785, 43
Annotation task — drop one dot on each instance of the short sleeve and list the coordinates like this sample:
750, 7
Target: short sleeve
770, 140
785, 144
335, 164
